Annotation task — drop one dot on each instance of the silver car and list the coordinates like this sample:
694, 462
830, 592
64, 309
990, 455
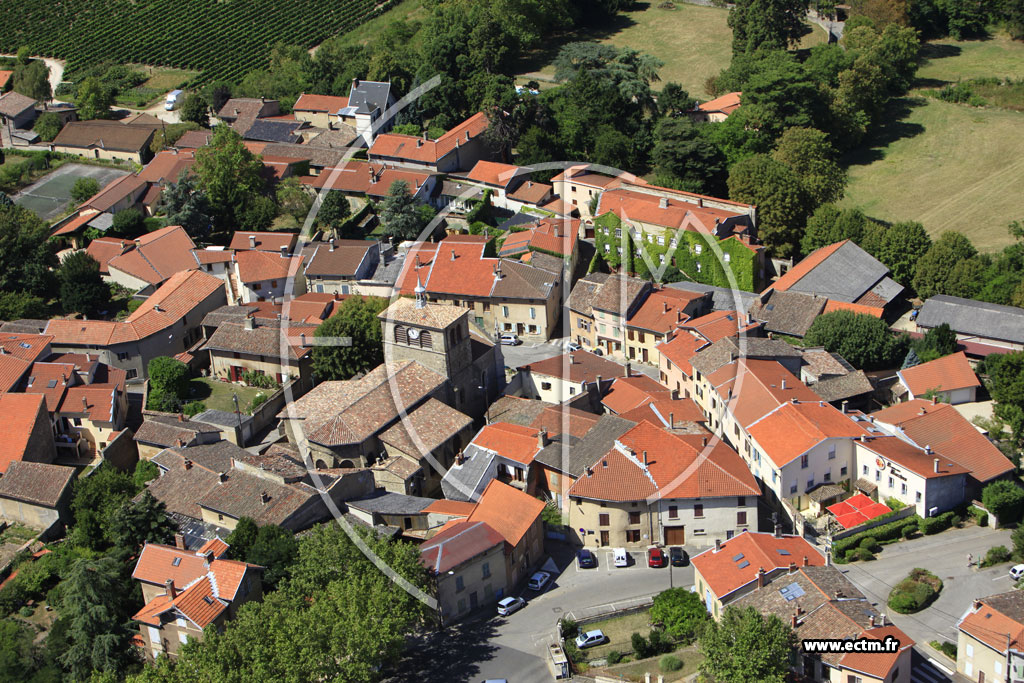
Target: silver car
508, 606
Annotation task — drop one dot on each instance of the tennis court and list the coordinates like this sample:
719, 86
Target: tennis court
51, 195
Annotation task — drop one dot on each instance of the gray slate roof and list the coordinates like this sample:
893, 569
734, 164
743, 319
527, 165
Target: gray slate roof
967, 316
722, 298
221, 418
845, 275
367, 96
724, 351
274, 131
213, 456
388, 503
789, 312
471, 475
582, 296
845, 386
588, 450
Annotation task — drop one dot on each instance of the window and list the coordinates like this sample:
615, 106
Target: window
531, 329
832, 452
775, 476
698, 510
917, 497
486, 570
803, 461
618, 232
533, 313
673, 512
257, 286
607, 248
792, 488
699, 532
903, 489
634, 517
970, 650
741, 518
132, 373
828, 476
545, 386
864, 469
633, 536
602, 519
619, 250
661, 259
741, 501
842, 471
878, 475
698, 266
459, 584
553, 478
892, 483
124, 355
572, 391
810, 482
273, 283
504, 311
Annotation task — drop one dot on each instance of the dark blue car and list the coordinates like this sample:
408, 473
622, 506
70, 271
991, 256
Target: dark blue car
585, 559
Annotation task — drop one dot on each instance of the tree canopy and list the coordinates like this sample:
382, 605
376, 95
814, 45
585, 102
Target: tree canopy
28, 256
830, 224
899, 246
746, 647
401, 216
356, 327
779, 195
168, 383
772, 24
186, 205
934, 268
84, 188
681, 613
195, 109
229, 176
32, 79
82, 289
863, 340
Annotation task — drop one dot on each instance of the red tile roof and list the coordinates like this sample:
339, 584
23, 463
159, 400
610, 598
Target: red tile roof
412, 148
949, 433
12, 369
942, 374
665, 413
630, 205
913, 457
493, 173
355, 177
508, 440
877, 664
736, 563
454, 508
458, 543
795, 428
806, 265
627, 393
5, 76
663, 310
576, 367
991, 626
105, 248
49, 380
20, 413
727, 103
507, 510
554, 235
553, 418
30, 347
157, 256
167, 166
260, 266
329, 104
263, 241
75, 223
832, 305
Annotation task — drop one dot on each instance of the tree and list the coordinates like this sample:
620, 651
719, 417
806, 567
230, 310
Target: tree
18, 305
84, 189
28, 256
334, 211
1005, 500
145, 470
32, 79
830, 224
168, 383
812, 158
47, 126
674, 101
681, 613
229, 176
95, 601
934, 268
1006, 385
82, 289
16, 657
217, 94
242, 538
771, 24
187, 206
746, 647
128, 223
399, 215
293, 199
94, 501
937, 342
967, 278
258, 214
780, 198
276, 549
94, 99
863, 340
355, 320
684, 154
140, 521
899, 246
194, 109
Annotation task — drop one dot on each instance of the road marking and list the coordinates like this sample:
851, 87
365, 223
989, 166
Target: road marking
1001, 576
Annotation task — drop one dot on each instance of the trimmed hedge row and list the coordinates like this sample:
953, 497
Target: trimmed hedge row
845, 547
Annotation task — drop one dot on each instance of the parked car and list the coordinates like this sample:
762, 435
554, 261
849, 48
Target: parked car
590, 639
621, 557
678, 556
1017, 571
586, 559
656, 557
571, 346
538, 580
507, 606
510, 339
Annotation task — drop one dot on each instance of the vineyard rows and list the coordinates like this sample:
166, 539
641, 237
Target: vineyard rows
224, 39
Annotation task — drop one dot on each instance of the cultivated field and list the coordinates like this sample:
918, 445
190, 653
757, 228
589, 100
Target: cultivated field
949, 166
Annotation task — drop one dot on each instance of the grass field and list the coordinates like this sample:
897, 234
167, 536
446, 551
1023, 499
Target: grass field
693, 41
217, 395
947, 61
408, 10
953, 168
634, 671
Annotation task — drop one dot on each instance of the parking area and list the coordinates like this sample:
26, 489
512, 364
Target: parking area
50, 196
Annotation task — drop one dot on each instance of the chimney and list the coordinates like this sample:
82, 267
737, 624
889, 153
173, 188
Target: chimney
187, 464
844, 406
264, 497
250, 324
645, 458
700, 203
332, 244
718, 544
222, 477
871, 621
760, 577
85, 404
792, 566
807, 561
302, 339
672, 420
542, 438
770, 336
599, 382
556, 231
252, 241
922, 411
783, 383
664, 307
928, 449
976, 605
355, 82
704, 441
863, 438
419, 143
417, 260
207, 558
936, 464
181, 417
629, 369
467, 136
663, 203
679, 315
453, 254
179, 541
935, 400
778, 530
284, 251
828, 558
169, 585
793, 620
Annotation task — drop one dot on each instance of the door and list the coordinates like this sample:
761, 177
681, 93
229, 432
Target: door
604, 538
473, 601
236, 373
520, 328
981, 677
643, 353
675, 535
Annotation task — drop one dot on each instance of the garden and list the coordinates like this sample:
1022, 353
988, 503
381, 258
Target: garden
915, 592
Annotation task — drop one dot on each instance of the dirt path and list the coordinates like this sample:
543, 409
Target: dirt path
56, 67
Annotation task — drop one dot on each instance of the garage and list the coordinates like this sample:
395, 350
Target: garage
675, 535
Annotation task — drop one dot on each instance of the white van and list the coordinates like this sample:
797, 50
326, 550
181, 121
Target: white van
172, 99
620, 557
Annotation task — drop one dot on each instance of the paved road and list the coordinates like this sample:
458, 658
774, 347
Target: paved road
514, 647
945, 555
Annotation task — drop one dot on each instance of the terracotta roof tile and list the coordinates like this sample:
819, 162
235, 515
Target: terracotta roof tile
507, 510
942, 374
35, 483
792, 429
806, 265
509, 441
12, 369
157, 256
724, 573
260, 266
553, 419
263, 241
877, 664
105, 248
455, 508
457, 544
727, 103
576, 367
30, 347
21, 413
997, 617
329, 104
627, 393
493, 173
411, 148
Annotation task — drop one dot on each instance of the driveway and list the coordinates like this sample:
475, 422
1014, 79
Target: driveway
515, 647
945, 555
56, 67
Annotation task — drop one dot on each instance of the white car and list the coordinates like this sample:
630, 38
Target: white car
590, 639
538, 580
509, 339
620, 557
508, 606
571, 346
1017, 571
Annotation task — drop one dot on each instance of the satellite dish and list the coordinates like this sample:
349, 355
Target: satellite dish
414, 333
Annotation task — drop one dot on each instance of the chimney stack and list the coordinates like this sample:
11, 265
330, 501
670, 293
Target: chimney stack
663, 202
250, 324
936, 463
629, 369
645, 458
672, 420
284, 251
179, 541
792, 566
760, 577
934, 400
453, 254
844, 406
85, 404
871, 621
718, 544
171, 593
783, 383
264, 498
599, 383
704, 441
664, 307
977, 604
542, 438
252, 241
222, 477
928, 449
700, 203
181, 417
807, 561
778, 530
302, 339
187, 464
793, 620
207, 558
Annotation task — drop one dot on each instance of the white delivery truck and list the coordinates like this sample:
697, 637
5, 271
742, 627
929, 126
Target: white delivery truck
173, 98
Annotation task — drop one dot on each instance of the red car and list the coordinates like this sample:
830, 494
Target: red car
656, 557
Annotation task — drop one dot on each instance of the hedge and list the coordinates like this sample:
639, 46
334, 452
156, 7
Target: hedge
933, 525
884, 532
980, 516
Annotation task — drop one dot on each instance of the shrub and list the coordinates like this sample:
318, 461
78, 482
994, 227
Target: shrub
658, 643
670, 663
895, 503
1005, 500
885, 532
980, 516
573, 652
255, 379
933, 525
26, 611
996, 555
570, 629
257, 400
915, 592
193, 408
956, 520
641, 647
614, 657
863, 554
871, 544
909, 530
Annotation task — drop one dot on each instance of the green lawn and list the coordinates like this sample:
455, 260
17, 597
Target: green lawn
12, 159
618, 630
947, 61
217, 395
949, 166
409, 10
634, 671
